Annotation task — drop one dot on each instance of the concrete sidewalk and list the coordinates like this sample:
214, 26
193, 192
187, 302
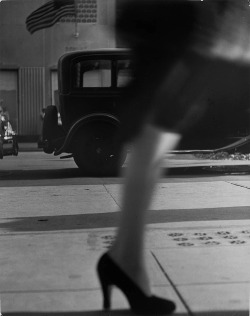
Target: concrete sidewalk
197, 247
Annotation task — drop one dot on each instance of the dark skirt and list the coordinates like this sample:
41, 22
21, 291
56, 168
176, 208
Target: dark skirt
176, 89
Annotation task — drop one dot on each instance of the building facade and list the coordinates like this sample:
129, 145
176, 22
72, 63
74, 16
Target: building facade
28, 63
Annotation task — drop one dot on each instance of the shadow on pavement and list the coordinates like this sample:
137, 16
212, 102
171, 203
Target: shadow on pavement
126, 313
111, 219
41, 174
84, 313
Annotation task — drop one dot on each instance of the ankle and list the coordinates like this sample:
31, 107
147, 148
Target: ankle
135, 269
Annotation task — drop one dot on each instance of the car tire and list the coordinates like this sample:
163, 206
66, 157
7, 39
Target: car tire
49, 123
1, 147
97, 151
15, 147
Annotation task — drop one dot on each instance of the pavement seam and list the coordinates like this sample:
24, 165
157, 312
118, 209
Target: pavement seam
238, 185
111, 195
173, 285
49, 291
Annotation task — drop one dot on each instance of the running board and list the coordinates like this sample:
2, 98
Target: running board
239, 143
65, 157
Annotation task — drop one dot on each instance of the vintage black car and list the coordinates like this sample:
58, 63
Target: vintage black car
90, 86
8, 139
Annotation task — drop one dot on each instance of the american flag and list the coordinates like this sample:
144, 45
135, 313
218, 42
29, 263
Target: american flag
50, 13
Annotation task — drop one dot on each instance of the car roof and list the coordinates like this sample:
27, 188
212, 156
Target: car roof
96, 52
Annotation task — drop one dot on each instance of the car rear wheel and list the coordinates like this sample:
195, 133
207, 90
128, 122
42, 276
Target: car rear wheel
97, 151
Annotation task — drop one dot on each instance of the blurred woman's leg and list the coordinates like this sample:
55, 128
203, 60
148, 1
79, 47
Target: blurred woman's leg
143, 171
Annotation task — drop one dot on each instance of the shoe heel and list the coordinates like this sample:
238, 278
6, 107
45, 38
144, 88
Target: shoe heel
106, 291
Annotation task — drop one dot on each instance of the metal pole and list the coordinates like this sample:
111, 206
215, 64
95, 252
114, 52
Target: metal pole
76, 35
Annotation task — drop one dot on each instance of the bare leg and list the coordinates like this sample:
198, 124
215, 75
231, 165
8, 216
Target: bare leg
142, 174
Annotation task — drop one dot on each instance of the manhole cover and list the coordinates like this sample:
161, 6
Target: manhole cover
175, 234
205, 238
222, 233
200, 234
245, 231
230, 237
180, 239
185, 244
237, 242
212, 243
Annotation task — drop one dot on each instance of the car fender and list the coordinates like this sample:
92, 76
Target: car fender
80, 123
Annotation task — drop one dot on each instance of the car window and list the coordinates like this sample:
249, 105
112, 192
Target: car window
124, 72
92, 74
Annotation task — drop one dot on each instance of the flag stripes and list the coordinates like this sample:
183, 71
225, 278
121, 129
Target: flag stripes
48, 14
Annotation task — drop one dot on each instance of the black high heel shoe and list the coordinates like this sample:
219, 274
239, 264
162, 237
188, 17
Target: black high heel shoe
110, 274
